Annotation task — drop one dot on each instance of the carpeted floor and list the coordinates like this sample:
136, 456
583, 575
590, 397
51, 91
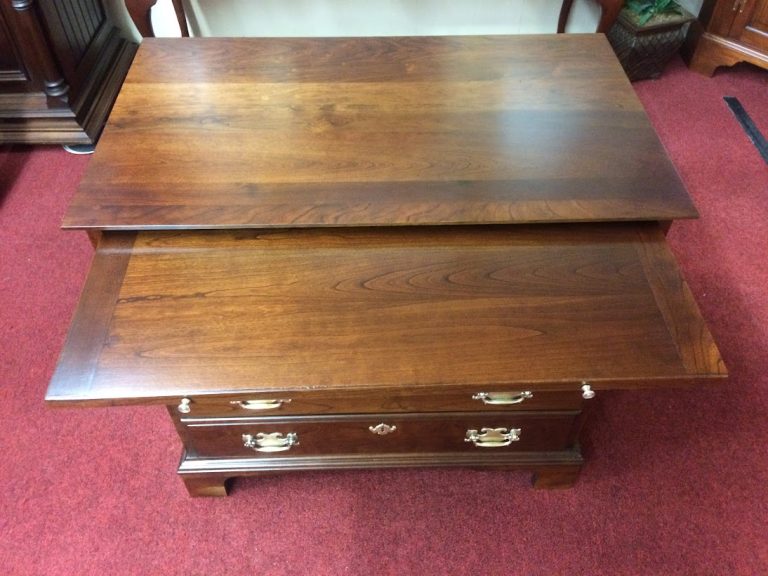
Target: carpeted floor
675, 483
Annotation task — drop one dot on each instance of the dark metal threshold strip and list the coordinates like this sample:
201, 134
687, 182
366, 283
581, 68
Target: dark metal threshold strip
754, 134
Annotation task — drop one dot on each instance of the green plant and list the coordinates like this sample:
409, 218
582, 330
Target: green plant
647, 9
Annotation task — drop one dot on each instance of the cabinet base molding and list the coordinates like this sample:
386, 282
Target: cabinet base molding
211, 476
713, 51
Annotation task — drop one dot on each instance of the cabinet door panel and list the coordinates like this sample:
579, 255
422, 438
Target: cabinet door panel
753, 24
74, 27
11, 69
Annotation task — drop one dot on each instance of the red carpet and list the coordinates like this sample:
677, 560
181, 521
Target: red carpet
675, 482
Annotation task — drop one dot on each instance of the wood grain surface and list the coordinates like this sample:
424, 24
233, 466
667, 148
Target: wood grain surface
543, 307
235, 133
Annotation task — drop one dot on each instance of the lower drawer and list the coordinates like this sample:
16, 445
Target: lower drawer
380, 434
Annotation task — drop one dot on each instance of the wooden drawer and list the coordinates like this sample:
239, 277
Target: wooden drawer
379, 434
386, 401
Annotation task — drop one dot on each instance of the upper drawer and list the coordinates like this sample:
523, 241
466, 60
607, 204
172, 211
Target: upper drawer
541, 308
381, 401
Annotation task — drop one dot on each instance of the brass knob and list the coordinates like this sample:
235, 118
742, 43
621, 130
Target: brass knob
184, 406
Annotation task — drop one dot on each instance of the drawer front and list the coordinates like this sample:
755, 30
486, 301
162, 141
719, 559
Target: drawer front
379, 434
372, 401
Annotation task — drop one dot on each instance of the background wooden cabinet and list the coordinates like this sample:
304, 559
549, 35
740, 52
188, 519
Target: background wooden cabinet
61, 65
733, 31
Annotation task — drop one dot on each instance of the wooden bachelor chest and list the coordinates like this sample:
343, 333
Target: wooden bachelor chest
347, 253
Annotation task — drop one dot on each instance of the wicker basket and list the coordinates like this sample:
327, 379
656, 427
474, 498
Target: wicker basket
645, 50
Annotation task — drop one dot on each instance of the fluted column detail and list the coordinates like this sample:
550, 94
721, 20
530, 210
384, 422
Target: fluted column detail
36, 51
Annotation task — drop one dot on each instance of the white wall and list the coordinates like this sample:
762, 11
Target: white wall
118, 13
383, 17
376, 17
693, 6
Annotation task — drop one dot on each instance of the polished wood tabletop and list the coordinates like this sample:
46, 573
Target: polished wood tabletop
170, 314
237, 133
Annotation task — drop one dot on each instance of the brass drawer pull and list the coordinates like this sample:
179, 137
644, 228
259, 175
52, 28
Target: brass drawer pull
260, 404
274, 442
500, 398
493, 437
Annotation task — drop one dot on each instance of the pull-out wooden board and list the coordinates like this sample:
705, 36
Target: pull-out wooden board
167, 315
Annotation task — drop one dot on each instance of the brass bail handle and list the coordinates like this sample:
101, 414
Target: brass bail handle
271, 404
270, 442
502, 398
493, 437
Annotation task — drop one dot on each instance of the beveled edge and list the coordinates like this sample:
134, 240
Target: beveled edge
78, 360
687, 327
599, 384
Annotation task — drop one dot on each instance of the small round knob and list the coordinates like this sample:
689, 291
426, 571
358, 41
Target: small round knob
586, 391
184, 406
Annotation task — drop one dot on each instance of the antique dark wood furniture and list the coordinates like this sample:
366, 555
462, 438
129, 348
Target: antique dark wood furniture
376, 252
609, 11
61, 66
732, 31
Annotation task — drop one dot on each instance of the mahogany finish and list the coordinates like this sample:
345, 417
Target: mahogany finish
211, 477
237, 133
342, 295
388, 400
385, 308
350, 435
342, 328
